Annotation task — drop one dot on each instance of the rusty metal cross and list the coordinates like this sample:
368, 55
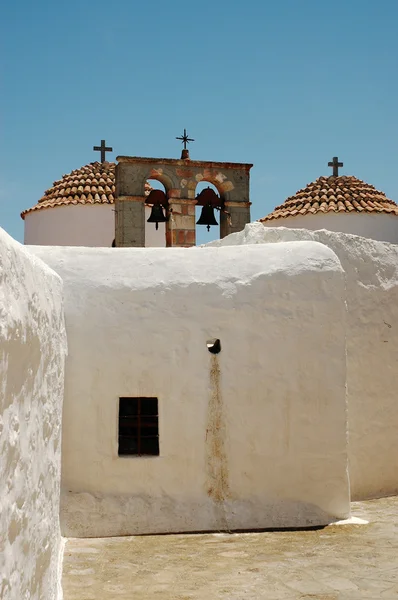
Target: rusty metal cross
335, 164
103, 148
185, 139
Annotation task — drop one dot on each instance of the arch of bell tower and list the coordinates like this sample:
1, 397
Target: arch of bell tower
180, 178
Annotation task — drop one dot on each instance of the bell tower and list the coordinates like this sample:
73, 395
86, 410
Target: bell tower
177, 206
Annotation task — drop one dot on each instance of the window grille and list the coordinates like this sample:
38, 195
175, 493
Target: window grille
138, 427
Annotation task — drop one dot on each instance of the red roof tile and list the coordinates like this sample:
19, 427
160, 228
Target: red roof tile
92, 184
334, 194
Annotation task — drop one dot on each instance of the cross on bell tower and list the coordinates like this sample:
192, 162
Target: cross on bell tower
103, 148
335, 164
185, 140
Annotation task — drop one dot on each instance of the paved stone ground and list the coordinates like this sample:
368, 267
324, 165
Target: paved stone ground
338, 562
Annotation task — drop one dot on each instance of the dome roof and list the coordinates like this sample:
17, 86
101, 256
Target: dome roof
342, 194
92, 184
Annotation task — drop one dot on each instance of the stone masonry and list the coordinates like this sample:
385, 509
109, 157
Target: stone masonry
180, 178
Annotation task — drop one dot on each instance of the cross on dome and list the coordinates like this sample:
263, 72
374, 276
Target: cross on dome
335, 164
103, 149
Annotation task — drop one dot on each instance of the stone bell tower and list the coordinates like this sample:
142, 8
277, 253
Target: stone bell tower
180, 178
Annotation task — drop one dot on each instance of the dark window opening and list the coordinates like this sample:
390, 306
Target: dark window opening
138, 427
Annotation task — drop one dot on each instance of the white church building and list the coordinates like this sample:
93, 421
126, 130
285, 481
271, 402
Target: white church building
248, 384
79, 210
339, 203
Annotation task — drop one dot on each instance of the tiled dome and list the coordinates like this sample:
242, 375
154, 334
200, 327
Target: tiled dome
342, 194
92, 184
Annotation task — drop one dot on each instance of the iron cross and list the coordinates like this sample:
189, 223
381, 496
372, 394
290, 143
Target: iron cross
335, 164
185, 139
103, 148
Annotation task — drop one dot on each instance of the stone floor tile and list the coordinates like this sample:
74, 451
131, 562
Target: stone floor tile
349, 562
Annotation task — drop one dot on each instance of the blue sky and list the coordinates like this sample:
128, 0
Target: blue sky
285, 85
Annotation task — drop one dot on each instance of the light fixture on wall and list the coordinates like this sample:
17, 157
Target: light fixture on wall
214, 346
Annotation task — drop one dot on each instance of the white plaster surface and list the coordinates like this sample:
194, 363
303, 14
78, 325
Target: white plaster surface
253, 437
82, 225
371, 269
381, 227
32, 354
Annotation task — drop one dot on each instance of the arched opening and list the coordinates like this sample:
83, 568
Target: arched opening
155, 213
154, 184
210, 230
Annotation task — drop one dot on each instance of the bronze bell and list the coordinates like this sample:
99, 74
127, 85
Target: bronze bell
207, 217
157, 215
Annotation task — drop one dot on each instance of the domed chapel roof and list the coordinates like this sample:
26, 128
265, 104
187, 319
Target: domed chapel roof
92, 184
341, 194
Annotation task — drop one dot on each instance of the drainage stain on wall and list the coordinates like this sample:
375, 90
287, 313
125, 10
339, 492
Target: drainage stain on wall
216, 458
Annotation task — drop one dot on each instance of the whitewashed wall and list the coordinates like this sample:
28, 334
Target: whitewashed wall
32, 352
253, 437
372, 350
82, 225
381, 227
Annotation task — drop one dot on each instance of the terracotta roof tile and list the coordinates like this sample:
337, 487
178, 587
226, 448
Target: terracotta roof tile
92, 184
334, 194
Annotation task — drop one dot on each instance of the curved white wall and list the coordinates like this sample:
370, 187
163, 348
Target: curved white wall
247, 438
82, 225
371, 294
32, 356
381, 227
